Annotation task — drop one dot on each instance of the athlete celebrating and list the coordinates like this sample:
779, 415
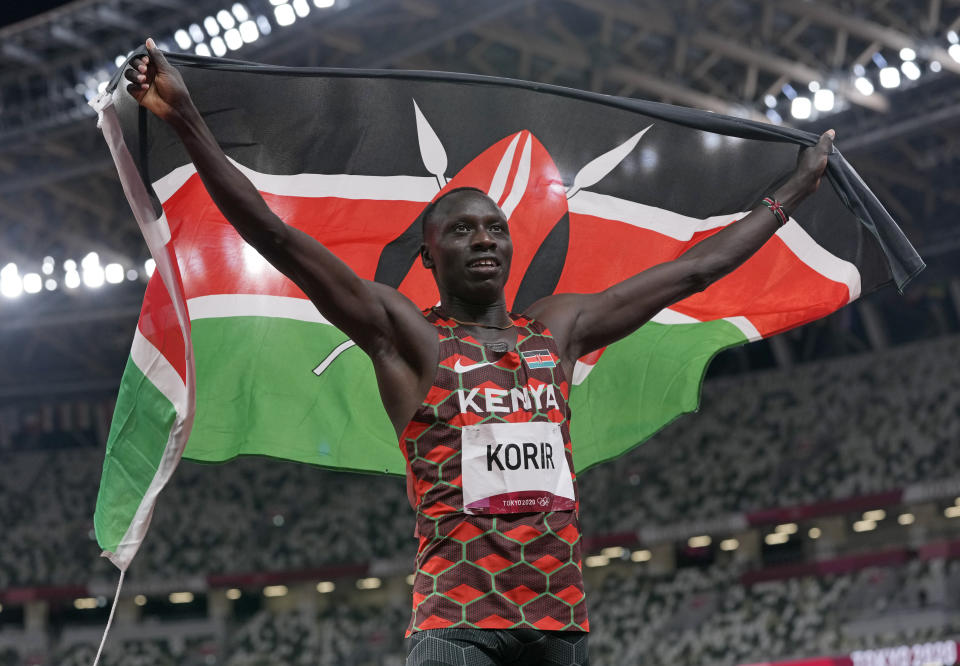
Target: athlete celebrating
477, 395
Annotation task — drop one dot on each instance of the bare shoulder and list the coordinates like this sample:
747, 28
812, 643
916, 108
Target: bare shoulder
410, 332
559, 313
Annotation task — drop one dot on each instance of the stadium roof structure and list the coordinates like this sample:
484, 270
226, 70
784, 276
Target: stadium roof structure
884, 73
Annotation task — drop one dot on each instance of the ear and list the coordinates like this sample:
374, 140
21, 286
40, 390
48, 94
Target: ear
425, 258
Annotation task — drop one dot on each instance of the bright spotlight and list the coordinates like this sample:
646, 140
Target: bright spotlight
301, 7
113, 273
213, 28
859, 70
323, 4
823, 100
196, 33
284, 15
202, 50
92, 259
226, 19
149, 266
954, 52
240, 12
907, 54
132, 274
93, 276
935, 66
47, 267
770, 101
50, 284
182, 39
813, 86
800, 108
249, 32
11, 285
952, 37
910, 70
889, 77
233, 39
264, 24
278, 2
774, 117
864, 86
219, 48
119, 60
71, 279
32, 283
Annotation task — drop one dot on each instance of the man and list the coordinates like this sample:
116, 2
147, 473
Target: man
476, 395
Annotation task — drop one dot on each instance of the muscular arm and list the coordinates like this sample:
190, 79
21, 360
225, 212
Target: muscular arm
383, 322
586, 322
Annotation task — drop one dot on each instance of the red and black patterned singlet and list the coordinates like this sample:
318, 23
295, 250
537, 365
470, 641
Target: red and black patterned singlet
491, 571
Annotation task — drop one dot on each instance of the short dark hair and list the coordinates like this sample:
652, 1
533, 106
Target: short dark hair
432, 206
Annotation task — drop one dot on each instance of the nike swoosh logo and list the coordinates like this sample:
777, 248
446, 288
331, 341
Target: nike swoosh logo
459, 368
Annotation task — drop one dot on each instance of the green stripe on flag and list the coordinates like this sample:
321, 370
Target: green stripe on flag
138, 436
257, 394
668, 362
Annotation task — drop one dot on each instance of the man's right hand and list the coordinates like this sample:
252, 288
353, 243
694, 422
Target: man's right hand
157, 85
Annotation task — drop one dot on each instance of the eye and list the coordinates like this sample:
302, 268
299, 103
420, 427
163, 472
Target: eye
461, 226
498, 227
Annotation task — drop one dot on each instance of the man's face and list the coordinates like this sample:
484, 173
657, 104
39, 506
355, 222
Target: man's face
467, 246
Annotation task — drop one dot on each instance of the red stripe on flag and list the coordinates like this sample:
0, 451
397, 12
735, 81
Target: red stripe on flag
158, 320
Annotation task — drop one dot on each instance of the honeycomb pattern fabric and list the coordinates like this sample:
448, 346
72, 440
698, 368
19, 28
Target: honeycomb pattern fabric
472, 647
512, 570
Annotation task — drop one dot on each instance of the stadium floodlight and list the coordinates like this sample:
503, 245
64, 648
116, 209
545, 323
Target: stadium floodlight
71, 279
50, 284
219, 48
113, 273
890, 77
613, 552
264, 24
774, 117
149, 266
786, 528
701, 541
323, 4
864, 85
859, 70
249, 32
823, 100
814, 533
140, 600
770, 101
47, 267
641, 556
85, 603
11, 285
800, 108
935, 66
813, 86
906, 519
326, 587
211, 25
32, 283
132, 274
226, 19
240, 12
196, 33
119, 60
93, 276
864, 526
954, 52
234, 593
879, 60
776, 538
233, 39
301, 8
875, 515
907, 54
371, 583
952, 511
278, 2
180, 597
101, 86
596, 561
910, 70
410, 579
91, 259
729, 544
789, 91
182, 39
202, 50
952, 37
284, 14
275, 591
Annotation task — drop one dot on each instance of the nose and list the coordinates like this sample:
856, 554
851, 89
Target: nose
482, 239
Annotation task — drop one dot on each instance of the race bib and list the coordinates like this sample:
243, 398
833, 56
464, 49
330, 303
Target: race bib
515, 468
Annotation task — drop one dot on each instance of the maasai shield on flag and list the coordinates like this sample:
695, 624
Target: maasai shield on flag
230, 358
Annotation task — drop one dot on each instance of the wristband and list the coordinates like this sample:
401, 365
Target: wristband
777, 209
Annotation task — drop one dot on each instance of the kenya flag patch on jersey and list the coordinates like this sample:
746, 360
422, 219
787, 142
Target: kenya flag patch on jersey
230, 358
538, 358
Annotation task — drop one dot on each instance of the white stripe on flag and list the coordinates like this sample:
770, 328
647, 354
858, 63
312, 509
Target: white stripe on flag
315, 185
158, 370
254, 305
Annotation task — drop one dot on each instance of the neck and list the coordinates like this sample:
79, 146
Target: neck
493, 314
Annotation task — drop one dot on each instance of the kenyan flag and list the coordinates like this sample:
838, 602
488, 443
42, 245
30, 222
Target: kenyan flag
230, 358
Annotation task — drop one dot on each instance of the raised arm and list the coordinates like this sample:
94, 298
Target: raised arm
382, 322
586, 322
